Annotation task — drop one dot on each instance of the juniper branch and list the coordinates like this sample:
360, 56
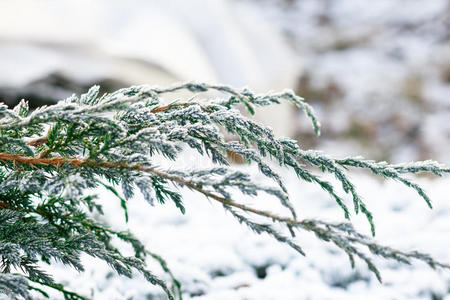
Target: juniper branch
50, 157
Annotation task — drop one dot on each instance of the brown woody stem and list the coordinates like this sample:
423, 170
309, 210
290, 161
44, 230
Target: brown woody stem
57, 161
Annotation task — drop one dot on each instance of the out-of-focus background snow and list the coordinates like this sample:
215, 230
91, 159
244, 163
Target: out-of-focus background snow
377, 73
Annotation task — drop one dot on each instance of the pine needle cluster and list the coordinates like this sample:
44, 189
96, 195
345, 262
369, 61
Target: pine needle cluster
52, 158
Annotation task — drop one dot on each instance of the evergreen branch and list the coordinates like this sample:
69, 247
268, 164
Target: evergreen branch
58, 161
68, 295
248, 98
342, 235
14, 286
162, 262
51, 156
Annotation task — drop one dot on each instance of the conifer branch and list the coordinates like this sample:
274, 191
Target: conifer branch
57, 153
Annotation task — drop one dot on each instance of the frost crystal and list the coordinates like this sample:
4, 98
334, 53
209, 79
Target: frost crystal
51, 157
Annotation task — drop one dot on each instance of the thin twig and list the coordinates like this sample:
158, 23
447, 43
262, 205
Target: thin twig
57, 161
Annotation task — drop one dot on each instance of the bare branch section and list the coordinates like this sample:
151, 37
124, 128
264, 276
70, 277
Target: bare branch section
58, 153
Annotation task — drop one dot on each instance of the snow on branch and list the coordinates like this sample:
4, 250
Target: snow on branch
56, 153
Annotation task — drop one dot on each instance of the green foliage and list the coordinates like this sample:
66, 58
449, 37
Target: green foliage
52, 157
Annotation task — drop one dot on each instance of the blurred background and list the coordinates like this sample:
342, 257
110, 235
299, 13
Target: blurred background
376, 72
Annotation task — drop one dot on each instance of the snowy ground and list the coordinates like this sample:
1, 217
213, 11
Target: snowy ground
216, 258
